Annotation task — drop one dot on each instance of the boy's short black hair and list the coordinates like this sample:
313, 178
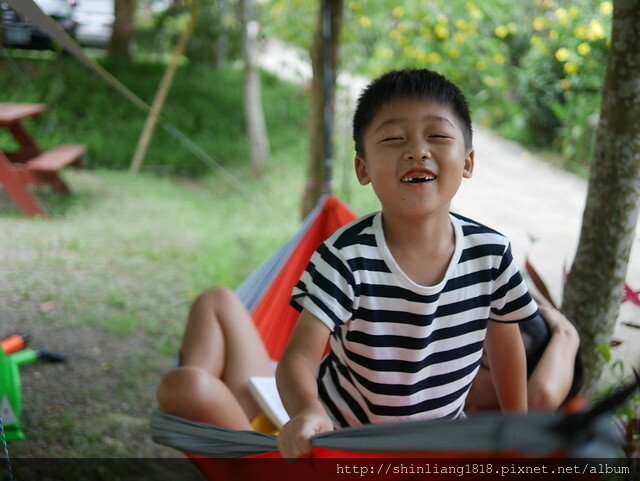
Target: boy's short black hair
416, 83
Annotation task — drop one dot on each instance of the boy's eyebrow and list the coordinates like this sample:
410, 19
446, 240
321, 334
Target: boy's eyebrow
401, 119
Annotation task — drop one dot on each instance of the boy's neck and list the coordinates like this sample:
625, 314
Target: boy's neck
411, 241
423, 233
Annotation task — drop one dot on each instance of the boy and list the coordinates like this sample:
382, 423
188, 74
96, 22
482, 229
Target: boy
404, 296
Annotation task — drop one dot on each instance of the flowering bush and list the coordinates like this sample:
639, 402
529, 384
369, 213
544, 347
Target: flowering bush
532, 70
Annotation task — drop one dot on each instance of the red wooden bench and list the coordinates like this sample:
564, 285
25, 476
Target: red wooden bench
43, 169
30, 165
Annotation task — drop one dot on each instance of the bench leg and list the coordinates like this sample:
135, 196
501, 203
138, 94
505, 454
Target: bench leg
24, 199
58, 184
17, 190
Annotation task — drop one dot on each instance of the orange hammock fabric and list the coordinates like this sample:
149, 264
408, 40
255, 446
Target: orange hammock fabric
273, 315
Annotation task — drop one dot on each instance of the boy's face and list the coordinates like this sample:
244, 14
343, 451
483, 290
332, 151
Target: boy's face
414, 157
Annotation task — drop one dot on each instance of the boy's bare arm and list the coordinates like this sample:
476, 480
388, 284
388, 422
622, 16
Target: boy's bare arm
296, 378
508, 365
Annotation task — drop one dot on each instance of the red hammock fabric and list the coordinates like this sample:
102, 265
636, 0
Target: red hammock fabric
273, 315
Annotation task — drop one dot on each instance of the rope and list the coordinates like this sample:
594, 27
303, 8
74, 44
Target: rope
5, 449
16, 69
212, 163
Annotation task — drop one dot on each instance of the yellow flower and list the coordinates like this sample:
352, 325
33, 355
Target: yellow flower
397, 36
442, 19
595, 31
573, 11
458, 38
398, 12
553, 35
501, 31
453, 52
580, 32
413, 52
547, 4
499, 58
425, 32
513, 28
442, 32
565, 84
477, 14
571, 68
364, 21
562, 15
562, 54
461, 24
386, 53
584, 48
535, 40
355, 5
606, 8
434, 57
490, 81
481, 65
474, 10
539, 23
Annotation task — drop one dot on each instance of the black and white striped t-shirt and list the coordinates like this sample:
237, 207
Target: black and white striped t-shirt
399, 350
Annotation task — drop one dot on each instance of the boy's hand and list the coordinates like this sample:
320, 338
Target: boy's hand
293, 441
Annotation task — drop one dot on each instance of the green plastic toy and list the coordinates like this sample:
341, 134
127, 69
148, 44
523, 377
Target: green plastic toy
11, 390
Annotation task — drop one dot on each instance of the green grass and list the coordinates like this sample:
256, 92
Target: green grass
127, 254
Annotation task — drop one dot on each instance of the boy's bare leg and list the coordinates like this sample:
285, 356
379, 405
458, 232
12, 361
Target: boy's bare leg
221, 349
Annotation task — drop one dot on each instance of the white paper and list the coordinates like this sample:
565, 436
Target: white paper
265, 392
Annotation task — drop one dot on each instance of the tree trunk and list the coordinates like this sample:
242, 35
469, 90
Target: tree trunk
594, 286
254, 116
123, 29
324, 63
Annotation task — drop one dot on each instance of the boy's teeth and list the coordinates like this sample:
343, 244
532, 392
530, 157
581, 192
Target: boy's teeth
415, 180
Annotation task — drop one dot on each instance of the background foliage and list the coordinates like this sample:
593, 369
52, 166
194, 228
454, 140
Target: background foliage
83, 109
532, 70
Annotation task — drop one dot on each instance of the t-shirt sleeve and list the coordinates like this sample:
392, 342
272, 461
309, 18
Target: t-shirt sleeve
326, 288
511, 300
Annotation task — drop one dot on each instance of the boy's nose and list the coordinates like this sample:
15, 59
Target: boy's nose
418, 151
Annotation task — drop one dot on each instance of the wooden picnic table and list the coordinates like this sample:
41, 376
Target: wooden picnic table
11, 116
31, 165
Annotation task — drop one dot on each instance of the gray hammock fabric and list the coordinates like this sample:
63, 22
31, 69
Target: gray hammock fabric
536, 434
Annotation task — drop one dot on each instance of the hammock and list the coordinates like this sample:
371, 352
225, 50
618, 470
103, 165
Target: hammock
266, 294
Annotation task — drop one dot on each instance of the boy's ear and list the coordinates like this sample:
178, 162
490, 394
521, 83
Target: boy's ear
468, 164
361, 170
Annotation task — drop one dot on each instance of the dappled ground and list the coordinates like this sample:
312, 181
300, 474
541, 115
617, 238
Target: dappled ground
103, 394
68, 284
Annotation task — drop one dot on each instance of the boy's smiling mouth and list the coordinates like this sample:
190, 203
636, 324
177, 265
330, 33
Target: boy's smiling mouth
418, 177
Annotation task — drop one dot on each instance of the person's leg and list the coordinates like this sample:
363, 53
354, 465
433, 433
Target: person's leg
221, 349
